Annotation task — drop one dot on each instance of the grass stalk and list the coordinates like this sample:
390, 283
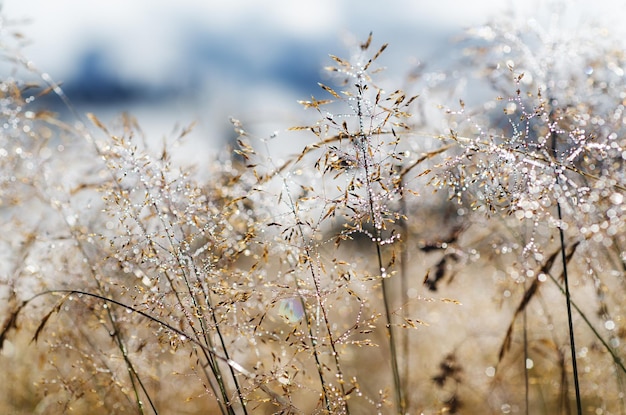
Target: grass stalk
316, 355
570, 322
115, 330
616, 359
404, 289
318, 294
392, 340
218, 357
224, 402
569, 316
526, 383
331, 338
363, 142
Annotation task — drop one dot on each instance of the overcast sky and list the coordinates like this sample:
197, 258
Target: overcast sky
204, 60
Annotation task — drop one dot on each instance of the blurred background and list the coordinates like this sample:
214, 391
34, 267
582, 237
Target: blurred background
170, 63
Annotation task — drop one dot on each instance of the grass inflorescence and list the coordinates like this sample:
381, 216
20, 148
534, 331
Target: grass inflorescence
390, 266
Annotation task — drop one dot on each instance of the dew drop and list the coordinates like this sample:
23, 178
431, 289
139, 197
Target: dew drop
291, 309
617, 198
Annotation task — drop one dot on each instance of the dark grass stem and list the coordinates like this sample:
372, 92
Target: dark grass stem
569, 316
134, 376
616, 359
227, 356
570, 323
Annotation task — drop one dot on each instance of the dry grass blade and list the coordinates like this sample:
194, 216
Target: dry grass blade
92, 117
48, 90
365, 45
313, 103
340, 61
529, 294
301, 127
308, 149
380, 51
45, 318
187, 130
423, 158
329, 90
10, 323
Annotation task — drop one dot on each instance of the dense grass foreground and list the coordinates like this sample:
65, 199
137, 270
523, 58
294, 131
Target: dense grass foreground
391, 266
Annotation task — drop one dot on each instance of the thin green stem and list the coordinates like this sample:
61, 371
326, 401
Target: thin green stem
618, 361
392, 340
404, 277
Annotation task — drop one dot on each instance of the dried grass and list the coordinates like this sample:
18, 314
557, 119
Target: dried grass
333, 282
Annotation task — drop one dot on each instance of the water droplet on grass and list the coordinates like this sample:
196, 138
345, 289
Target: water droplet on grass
291, 309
